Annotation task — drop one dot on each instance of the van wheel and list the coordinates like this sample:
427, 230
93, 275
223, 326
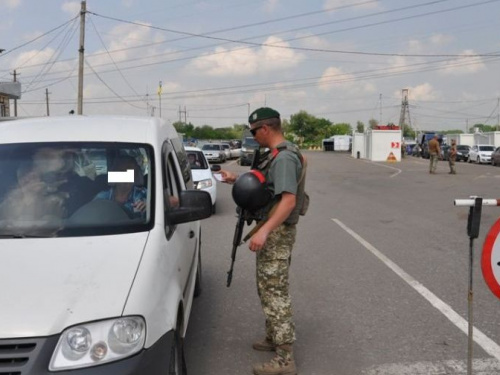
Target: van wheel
197, 283
177, 364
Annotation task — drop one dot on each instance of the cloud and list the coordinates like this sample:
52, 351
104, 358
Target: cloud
440, 39
425, 91
238, 62
464, 65
270, 5
334, 78
10, 4
329, 4
71, 7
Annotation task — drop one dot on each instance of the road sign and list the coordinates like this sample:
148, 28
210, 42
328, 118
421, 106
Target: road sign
391, 157
395, 144
490, 259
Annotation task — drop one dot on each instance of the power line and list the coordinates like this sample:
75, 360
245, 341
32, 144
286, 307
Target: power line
315, 35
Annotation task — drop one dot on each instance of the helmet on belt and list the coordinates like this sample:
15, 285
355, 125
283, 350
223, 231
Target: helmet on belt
250, 191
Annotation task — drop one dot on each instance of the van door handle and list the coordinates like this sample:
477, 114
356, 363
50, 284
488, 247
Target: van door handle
191, 234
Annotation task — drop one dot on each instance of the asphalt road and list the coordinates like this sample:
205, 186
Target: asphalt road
379, 275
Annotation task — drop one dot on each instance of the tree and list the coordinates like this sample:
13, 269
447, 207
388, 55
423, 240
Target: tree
360, 127
372, 123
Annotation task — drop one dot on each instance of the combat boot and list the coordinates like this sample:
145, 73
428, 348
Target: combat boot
281, 364
265, 345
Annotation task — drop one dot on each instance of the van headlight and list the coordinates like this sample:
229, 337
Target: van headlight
92, 344
203, 184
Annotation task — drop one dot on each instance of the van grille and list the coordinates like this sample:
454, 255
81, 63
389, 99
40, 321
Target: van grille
16, 354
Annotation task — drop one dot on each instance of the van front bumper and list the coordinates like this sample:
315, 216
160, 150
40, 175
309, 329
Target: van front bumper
151, 361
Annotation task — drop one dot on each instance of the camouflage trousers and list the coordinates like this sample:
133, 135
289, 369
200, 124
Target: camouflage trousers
273, 264
433, 160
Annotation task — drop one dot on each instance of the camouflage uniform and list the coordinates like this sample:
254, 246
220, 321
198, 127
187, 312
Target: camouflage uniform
273, 264
273, 261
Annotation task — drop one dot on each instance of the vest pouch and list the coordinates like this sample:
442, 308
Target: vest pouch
305, 205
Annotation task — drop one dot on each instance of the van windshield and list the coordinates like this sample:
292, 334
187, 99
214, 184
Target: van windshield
74, 189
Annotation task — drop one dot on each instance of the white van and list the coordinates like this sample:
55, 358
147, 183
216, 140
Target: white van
99, 246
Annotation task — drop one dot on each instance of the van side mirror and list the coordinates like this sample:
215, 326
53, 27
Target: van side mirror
193, 205
215, 168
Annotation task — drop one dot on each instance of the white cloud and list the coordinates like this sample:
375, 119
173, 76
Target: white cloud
238, 62
270, 5
341, 3
464, 65
425, 91
71, 7
441, 39
334, 78
11, 4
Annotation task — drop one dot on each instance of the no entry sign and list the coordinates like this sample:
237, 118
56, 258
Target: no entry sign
490, 259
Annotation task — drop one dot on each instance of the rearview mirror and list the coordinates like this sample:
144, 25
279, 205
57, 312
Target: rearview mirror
193, 205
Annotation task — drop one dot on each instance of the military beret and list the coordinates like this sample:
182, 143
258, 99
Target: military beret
262, 114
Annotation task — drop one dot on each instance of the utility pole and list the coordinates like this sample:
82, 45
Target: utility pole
47, 101
81, 57
498, 113
405, 111
185, 115
15, 100
160, 89
380, 107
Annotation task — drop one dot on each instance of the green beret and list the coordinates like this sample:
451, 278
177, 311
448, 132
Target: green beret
262, 114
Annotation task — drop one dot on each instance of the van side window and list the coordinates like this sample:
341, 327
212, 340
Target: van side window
172, 183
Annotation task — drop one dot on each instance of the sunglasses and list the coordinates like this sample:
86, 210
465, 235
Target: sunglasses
254, 130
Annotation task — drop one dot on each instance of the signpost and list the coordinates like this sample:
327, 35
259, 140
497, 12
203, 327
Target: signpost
473, 222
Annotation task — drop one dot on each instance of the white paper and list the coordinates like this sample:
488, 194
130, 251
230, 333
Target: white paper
218, 177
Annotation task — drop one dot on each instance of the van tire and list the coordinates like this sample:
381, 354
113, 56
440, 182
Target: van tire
213, 209
197, 283
177, 364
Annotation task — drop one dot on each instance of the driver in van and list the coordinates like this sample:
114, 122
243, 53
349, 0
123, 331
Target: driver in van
131, 196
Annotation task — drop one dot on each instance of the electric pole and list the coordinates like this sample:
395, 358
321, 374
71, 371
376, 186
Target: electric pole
380, 105
81, 57
47, 101
15, 100
405, 111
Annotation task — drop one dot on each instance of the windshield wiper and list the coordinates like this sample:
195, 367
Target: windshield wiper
24, 235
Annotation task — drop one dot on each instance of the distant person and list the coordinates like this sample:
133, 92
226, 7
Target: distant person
452, 157
434, 152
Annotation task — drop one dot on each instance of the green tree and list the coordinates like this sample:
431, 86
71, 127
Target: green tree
360, 127
372, 123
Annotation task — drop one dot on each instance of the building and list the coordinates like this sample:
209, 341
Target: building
8, 91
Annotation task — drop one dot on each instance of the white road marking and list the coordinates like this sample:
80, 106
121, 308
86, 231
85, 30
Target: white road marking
386, 166
480, 366
488, 345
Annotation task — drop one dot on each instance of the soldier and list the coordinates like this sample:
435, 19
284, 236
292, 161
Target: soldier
273, 241
452, 157
434, 152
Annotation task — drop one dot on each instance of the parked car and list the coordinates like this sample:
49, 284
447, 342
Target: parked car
214, 152
248, 147
445, 149
481, 153
463, 152
201, 171
87, 287
226, 147
495, 157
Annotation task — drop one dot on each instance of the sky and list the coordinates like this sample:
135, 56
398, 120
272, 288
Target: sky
218, 60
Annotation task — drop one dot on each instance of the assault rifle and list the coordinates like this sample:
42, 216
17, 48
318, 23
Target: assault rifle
243, 216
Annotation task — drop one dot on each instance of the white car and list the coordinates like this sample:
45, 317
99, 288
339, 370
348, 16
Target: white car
214, 152
98, 269
481, 153
203, 178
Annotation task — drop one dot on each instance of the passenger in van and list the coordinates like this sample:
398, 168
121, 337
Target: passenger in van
32, 198
131, 196
57, 170
193, 162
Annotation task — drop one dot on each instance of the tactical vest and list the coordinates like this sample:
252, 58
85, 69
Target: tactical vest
302, 199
